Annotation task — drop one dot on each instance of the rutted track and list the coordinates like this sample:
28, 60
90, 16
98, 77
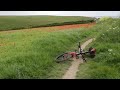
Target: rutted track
71, 72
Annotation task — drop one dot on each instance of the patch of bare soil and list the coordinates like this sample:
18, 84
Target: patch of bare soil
75, 26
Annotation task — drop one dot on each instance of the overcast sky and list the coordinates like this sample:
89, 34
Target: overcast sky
63, 13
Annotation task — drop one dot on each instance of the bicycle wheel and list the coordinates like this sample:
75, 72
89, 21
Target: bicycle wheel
63, 57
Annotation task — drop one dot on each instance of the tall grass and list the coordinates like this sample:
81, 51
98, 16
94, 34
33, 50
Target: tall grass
106, 64
21, 22
31, 54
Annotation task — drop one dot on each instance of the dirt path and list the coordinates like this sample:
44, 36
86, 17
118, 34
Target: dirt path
71, 72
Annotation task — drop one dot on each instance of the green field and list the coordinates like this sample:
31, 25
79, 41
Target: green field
31, 54
21, 22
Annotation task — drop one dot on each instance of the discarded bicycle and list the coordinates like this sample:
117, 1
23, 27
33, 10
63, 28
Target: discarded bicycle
75, 54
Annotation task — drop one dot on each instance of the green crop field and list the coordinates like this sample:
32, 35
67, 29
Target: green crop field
21, 22
30, 54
